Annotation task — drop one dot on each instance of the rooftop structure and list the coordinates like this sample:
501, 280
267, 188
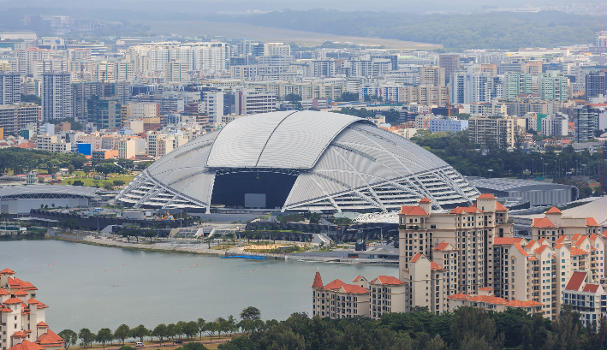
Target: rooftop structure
298, 161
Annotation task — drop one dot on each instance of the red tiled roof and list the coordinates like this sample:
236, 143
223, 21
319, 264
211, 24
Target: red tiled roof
458, 296
42, 324
488, 299
5, 309
523, 303
577, 251
486, 196
590, 221
19, 334
553, 210
26, 345
540, 249
435, 266
520, 249
33, 301
500, 207
12, 301
49, 338
4, 291
358, 278
425, 200
576, 280
506, 240
387, 280
354, 289
542, 223
461, 210
561, 239
590, 288
20, 292
442, 246
412, 210
416, 257
317, 281
486, 289
593, 237
7, 271
335, 284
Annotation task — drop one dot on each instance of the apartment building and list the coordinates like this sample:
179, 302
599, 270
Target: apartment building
337, 299
554, 224
15, 117
387, 295
492, 131
23, 325
470, 232
586, 298
487, 301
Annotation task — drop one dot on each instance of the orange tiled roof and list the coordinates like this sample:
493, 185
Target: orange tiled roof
488, 299
461, 210
42, 324
500, 207
553, 210
19, 334
540, 249
317, 281
4, 291
425, 200
7, 271
486, 289
520, 249
577, 251
542, 223
458, 296
486, 196
523, 303
335, 284
435, 266
387, 280
49, 338
590, 221
5, 309
412, 210
26, 345
416, 257
12, 301
506, 240
442, 246
354, 289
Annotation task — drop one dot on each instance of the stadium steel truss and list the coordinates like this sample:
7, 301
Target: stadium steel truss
322, 161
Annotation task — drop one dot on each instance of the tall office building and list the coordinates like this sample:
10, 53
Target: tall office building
585, 121
56, 96
596, 84
10, 88
432, 75
450, 62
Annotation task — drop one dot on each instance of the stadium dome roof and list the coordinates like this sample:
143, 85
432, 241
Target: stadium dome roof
304, 160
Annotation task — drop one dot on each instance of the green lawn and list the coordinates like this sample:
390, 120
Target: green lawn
90, 181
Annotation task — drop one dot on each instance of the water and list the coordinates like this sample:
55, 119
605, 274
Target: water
95, 287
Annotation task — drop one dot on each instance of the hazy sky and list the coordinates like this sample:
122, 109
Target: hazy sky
239, 6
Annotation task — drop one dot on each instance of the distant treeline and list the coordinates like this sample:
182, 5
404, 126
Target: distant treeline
491, 30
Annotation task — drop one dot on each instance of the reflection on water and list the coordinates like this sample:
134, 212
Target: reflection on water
94, 287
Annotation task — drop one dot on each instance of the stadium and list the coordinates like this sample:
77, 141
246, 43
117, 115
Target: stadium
298, 161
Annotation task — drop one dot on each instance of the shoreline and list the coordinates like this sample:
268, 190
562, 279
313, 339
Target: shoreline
182, 248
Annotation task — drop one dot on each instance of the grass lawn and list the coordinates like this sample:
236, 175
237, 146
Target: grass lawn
90, 181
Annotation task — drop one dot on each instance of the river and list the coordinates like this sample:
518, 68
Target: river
94, 287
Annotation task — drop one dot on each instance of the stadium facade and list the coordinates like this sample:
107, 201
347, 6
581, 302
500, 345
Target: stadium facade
298, 161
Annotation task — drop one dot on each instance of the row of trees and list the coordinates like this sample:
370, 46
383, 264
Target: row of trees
457, 150
250, 321
467, 328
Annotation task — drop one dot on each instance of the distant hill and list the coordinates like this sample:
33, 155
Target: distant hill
494, 30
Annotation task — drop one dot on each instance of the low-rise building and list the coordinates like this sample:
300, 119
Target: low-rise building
589, 299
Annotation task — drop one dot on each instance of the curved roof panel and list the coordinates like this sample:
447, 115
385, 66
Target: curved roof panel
281, 140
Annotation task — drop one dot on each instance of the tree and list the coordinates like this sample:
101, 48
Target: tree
160, 332
86, 337
250, 313
139, 332
77, 183
180, 328
193, 346
200, 323
69, 338
190, 329
436, 343
122, 332
104, 336
475, 343
211, 327
171, 331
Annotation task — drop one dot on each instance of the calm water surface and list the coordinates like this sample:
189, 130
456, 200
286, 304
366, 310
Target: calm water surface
94, 287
